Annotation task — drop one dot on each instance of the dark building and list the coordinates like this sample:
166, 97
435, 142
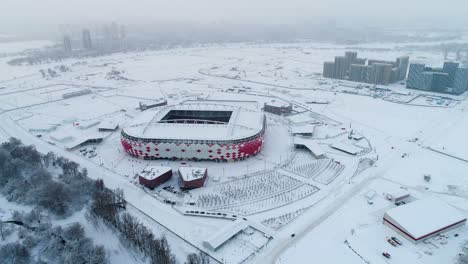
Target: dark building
67, 47
329, 69
87, 43
460, 84
192, 177
381, 73
278, 107
350, 58
450, 68
359, 73
153, 176
449, 79
340, 67
415, 76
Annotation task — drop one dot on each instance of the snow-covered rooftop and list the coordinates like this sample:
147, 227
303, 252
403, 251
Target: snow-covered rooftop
153, 172
309, 144
423, 217
242, 123
192, 173
346, 147
278, 103
308, 128
224, 234
108, 125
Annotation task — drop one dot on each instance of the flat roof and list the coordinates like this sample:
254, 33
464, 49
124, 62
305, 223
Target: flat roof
308, 128
77, 142
346, 147
191, 173
310, 144
108, 125
153, 172
225, 233
278, 103
421, 218
242, 124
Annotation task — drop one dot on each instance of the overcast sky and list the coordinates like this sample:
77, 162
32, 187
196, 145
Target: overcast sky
36, 12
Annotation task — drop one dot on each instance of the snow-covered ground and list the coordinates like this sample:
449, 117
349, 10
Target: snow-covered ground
406, 133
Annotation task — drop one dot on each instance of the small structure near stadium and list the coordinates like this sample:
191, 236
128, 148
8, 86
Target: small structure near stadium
153, 176
423, 219
278, 107
234, 229
311, 145
193, 177
195, 131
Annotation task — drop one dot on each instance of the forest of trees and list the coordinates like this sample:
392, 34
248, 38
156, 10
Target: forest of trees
59, 187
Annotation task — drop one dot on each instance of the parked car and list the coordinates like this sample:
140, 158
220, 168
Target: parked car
397, 241
393, 243
386, 254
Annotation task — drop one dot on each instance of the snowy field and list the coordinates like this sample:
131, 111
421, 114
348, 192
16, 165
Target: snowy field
315, 208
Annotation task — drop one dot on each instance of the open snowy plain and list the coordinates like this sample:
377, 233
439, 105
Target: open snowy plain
311, 210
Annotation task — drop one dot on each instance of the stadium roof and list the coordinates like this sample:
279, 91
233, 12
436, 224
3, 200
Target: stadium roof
242, 123
421, 218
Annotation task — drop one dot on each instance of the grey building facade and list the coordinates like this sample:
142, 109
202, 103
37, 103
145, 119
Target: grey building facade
350, 67
449, 79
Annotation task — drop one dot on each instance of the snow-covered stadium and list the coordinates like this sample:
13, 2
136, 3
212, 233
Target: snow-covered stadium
195, 131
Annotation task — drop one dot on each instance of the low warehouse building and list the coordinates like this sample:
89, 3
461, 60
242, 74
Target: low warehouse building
423, 219
278, 107
305, 130
193, 177
312, 145
153, 176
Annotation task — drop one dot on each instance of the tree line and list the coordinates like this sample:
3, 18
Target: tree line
60, 187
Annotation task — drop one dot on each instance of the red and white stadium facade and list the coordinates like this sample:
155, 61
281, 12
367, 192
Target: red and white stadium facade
194, 143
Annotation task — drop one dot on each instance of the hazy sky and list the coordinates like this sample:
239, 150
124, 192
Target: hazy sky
14, 12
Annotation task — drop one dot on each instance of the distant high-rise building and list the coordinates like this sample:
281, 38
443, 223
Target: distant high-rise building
438, 79
360, 61
350, 57
359, 73
67, 47
123, 32
114, 30
376, 71
381, 73
450, 68
426, 83
403, 63
460, 84
329, 69
415, 76
340, 67
87, 43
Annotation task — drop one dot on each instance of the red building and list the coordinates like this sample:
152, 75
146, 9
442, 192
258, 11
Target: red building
195, 132
153, 176
193, 177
